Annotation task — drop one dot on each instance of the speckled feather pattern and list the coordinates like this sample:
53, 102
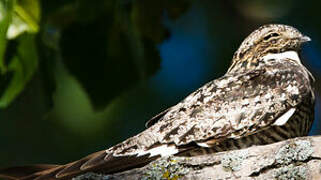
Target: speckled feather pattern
233, 106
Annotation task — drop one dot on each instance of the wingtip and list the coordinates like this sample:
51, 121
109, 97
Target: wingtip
97, 160
81, 165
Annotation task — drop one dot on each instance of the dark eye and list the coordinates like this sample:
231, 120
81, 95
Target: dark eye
270, 35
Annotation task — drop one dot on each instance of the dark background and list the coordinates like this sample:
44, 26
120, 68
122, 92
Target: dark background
85, 75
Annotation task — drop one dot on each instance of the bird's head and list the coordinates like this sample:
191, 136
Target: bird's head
268, 39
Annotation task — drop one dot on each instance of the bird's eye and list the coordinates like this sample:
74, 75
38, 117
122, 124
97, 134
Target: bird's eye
270, 35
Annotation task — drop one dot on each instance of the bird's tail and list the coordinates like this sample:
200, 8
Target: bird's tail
97, 162
47, 172
24, 172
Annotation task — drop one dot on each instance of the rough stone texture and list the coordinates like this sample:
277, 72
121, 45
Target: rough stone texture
298, 158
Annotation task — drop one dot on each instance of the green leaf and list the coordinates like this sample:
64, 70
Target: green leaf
22, 66
25, 18
6, 9
17, 17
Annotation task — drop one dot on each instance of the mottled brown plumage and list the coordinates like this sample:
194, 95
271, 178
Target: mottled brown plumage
265, 96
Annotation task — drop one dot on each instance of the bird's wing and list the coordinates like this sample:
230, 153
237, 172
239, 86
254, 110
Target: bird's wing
232, 106
235, 106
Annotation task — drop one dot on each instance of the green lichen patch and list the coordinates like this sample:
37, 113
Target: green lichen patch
233, 161
166, 169
291, 172
300, 150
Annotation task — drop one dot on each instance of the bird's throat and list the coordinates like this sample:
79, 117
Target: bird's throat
293, 55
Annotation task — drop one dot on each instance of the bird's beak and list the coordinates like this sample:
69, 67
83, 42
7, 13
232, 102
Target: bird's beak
305, 39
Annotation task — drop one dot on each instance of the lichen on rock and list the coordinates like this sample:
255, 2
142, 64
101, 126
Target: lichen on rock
165, 169
291, 172
300, 150
91, 176
290, 155
233, 161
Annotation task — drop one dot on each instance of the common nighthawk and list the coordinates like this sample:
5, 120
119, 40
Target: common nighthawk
265, 96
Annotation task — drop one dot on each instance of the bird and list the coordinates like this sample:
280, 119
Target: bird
266, 96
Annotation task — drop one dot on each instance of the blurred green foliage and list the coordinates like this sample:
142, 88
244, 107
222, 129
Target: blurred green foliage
19, 59
66, 65
97, 42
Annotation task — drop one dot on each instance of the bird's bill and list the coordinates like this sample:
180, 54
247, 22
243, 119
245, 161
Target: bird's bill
305, 39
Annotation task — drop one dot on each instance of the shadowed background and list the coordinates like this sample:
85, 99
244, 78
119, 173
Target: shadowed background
79, 76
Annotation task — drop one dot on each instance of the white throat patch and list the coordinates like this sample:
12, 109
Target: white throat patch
285, 55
